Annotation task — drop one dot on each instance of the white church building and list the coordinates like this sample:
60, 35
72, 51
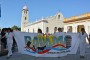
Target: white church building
52, 23
47, 25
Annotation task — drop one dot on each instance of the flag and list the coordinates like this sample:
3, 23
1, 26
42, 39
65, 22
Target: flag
0, 10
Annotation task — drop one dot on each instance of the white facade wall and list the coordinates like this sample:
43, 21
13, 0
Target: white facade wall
74, 25
34, 27
52, 22
55, 21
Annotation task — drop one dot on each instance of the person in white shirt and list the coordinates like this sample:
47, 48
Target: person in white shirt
60, 33
83, 35
9, 42
40, 32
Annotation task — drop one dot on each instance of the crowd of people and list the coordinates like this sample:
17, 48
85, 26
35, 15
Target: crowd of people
82, 35
8, 40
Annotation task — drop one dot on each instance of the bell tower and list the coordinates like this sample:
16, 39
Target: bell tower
25, 18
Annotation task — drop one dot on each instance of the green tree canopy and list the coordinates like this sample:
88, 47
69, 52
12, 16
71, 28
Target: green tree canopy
16, 28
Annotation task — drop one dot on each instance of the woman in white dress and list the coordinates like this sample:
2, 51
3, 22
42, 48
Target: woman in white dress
9, 42
83, 36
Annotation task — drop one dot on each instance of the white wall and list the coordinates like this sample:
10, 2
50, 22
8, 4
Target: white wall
35, 27
74, 25
53, 21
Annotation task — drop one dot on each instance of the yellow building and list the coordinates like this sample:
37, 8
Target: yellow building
75, 23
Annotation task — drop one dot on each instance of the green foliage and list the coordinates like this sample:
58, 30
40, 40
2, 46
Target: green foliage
16, 28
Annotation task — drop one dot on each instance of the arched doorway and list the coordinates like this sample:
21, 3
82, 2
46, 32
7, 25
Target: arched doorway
69, 29
79, 28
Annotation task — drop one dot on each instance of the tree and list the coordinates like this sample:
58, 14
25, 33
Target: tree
16, 28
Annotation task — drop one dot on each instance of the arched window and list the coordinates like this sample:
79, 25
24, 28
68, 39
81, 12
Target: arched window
28, 30
69, 29
55, 29
25, 18
58, 16
47, 29
26, 12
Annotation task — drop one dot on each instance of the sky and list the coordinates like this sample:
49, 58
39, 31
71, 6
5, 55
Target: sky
11, 10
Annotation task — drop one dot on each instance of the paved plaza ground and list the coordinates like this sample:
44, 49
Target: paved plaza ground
18, 56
